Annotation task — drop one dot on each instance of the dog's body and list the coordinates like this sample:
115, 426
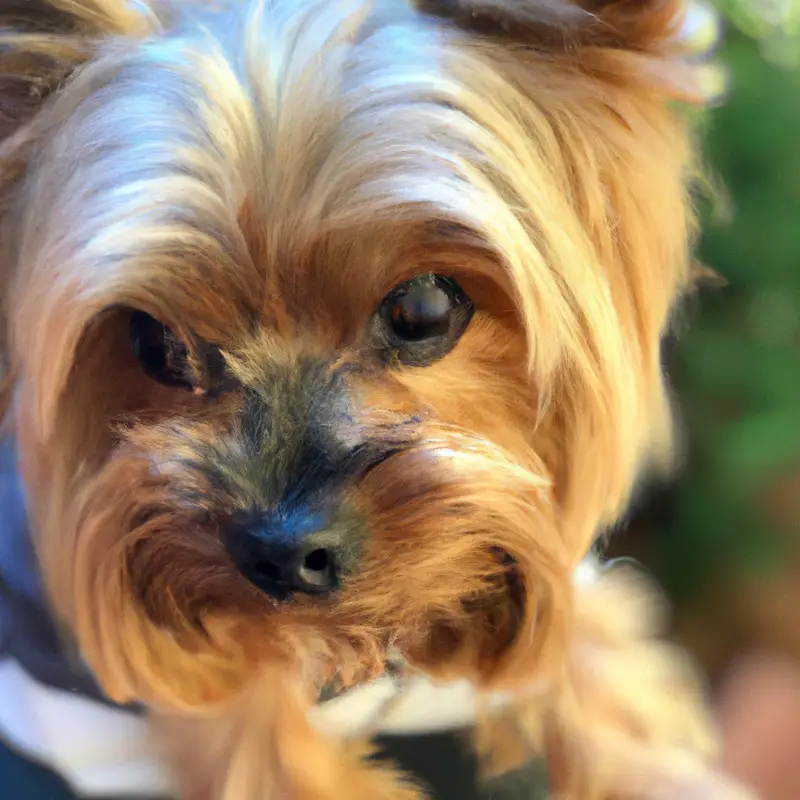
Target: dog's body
331, 343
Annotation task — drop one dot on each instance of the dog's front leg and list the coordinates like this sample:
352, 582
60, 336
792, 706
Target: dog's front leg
263, 747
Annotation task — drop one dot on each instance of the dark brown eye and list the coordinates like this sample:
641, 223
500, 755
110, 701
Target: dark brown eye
160, 352
422, 319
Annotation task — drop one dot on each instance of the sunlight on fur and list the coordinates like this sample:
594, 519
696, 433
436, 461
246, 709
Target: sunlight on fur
236, 187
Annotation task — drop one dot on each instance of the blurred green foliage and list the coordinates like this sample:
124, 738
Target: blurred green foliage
774, 24
737, 367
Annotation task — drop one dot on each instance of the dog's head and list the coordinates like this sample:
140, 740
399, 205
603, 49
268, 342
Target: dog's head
334, 327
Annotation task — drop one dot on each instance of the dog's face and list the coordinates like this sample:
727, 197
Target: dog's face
334, 327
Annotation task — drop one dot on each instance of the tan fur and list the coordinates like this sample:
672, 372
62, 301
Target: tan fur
260, 175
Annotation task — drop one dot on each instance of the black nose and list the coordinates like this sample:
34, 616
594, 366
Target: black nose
284, 553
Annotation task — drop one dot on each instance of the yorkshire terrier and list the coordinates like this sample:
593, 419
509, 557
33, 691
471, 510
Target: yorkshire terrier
330, 346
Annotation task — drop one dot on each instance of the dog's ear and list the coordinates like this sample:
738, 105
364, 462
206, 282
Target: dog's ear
43, 41
675, 30
642, 25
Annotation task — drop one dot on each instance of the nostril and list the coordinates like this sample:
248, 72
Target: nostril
317, 560
317, 570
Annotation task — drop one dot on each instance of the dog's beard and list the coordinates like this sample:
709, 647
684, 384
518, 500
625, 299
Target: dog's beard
462, 566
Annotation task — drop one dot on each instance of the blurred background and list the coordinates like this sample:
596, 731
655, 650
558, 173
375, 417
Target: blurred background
724, 537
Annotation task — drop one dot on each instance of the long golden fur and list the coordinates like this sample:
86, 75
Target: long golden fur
259, 175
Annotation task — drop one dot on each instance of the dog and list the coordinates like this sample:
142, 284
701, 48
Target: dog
330, 351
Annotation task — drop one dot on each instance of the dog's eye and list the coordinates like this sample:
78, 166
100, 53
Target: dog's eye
423, 318
160, 352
